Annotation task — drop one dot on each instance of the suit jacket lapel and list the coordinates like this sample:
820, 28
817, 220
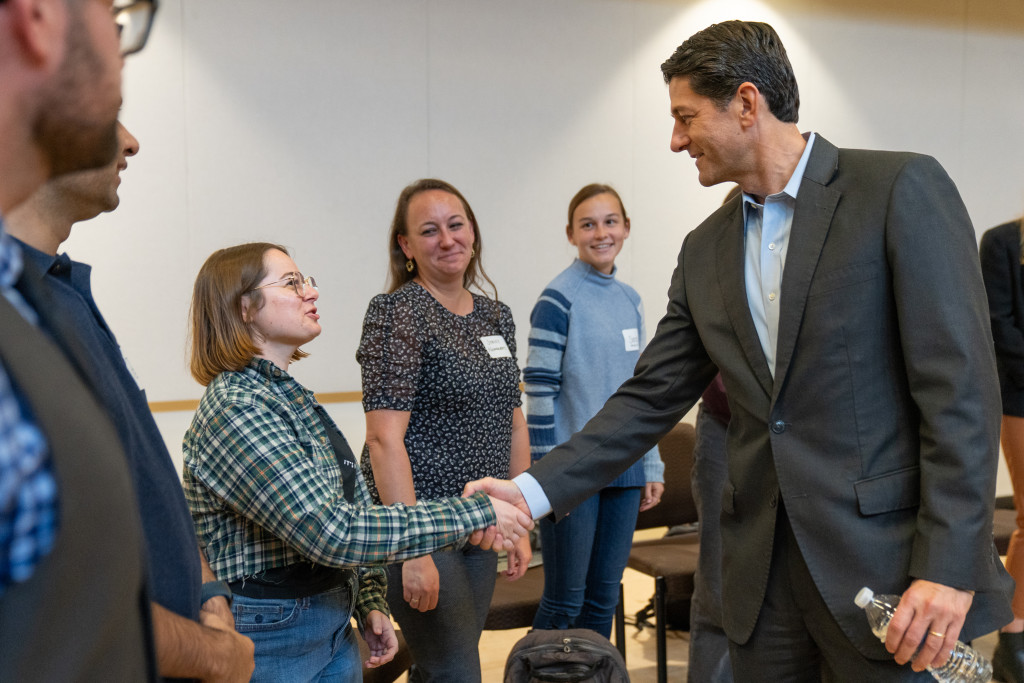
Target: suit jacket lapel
815, 206
730, 259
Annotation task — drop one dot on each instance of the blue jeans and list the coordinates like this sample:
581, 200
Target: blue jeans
309, 639
585, 554
445, 642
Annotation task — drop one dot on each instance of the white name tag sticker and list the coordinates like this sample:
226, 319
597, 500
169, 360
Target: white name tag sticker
632, 338
496, 346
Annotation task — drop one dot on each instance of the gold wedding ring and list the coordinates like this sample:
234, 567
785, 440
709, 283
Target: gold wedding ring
936, 634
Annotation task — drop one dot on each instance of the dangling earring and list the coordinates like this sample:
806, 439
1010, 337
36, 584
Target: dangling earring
472, 252
409, 265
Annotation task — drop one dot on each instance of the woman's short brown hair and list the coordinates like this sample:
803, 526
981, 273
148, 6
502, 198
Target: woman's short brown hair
398, 274
220, 338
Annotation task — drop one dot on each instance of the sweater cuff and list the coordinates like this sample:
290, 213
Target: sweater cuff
654, 468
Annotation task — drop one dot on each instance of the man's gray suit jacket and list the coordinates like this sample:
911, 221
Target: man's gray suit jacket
879, 431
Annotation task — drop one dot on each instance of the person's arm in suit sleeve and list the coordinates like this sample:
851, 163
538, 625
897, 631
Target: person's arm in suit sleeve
671, 374
942, 314
654, 467
998, 259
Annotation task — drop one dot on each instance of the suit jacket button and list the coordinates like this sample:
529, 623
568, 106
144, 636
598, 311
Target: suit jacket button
778, 427
774, 500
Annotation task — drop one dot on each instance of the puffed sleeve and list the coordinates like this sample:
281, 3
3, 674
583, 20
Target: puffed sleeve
390, 354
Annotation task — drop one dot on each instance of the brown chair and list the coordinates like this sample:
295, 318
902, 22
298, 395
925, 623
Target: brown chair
671, 560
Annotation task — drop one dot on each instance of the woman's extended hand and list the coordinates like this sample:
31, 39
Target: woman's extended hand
379, 634
420, 583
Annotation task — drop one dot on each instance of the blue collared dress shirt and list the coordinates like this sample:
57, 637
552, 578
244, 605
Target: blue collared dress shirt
766, 230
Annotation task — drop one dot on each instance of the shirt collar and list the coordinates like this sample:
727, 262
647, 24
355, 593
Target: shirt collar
793, 186
280, 379
43, 261
268, 369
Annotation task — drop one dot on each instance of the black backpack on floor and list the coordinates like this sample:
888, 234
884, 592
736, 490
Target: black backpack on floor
576, 655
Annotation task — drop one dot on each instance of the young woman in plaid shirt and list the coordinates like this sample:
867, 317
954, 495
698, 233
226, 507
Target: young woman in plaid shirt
275, 492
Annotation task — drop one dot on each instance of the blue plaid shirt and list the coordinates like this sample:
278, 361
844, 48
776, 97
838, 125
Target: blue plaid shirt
28, 490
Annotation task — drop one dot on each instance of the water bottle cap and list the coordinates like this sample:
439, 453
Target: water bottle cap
864, 597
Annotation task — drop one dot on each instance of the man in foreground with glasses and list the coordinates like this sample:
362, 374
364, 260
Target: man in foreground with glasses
192, 623
73, 599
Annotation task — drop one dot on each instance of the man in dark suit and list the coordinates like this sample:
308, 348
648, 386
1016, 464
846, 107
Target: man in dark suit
841, 299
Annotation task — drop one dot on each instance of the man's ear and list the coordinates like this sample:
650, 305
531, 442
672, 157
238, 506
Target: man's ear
40, 30
749, 100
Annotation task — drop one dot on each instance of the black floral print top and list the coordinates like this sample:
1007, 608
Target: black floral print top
456, 375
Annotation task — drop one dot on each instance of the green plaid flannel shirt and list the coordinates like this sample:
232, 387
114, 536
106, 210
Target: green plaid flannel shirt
264, 488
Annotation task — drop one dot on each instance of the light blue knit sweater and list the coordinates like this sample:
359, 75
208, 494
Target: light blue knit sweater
586, 334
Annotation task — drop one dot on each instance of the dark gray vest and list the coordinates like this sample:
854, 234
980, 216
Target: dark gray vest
84, 613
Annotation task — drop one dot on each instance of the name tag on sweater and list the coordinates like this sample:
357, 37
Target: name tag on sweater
632, 337
496, 346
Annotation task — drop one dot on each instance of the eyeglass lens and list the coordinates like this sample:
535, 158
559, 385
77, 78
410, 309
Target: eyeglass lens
300, 283
133, 20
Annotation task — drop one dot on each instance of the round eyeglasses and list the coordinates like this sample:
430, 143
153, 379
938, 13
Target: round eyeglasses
294, 280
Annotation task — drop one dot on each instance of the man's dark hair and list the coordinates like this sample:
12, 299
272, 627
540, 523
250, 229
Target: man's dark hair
717, 60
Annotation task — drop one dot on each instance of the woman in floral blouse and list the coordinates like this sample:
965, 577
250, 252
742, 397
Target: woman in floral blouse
442, 402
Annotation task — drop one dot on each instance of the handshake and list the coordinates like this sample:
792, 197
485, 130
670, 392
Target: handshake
513, 514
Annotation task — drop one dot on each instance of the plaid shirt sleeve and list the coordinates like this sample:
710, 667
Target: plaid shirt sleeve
373, 581
373, 589
252, 459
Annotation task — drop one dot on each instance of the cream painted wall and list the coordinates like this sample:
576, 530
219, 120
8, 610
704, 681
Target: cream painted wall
299, 123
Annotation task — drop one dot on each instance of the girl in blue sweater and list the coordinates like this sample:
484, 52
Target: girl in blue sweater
586, 334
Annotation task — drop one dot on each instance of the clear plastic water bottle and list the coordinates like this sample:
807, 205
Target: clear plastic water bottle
965, 665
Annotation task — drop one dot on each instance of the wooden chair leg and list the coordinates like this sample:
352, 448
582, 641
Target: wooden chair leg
660, 620
620, 624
